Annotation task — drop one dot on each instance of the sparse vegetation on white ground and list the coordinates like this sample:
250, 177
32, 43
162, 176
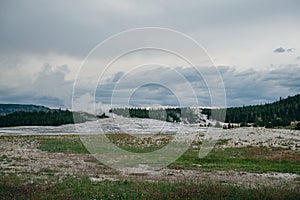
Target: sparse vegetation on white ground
245, 157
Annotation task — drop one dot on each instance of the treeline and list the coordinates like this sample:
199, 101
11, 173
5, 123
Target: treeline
186, 114
41, 118
279, 113
168, 114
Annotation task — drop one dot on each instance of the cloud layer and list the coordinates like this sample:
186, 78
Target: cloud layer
49, 87
282, 50
44, 42
241, 87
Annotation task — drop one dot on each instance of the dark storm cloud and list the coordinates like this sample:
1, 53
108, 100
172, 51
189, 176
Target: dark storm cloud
288, 79
242, 87
151, 94
283, 50
117, 76
290, 50
260, 86
279, 50
144, 86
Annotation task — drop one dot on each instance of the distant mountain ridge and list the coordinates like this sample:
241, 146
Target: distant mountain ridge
33, 115
6, 109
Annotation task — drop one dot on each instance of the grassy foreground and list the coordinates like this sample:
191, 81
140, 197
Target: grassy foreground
247, 159
12, 187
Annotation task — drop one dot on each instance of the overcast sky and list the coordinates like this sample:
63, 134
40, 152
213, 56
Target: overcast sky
255, 45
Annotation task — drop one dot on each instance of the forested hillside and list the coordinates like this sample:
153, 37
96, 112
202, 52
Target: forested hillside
279, 113
31, 115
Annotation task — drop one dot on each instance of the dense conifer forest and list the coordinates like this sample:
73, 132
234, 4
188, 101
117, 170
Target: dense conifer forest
279, 113
42, 118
